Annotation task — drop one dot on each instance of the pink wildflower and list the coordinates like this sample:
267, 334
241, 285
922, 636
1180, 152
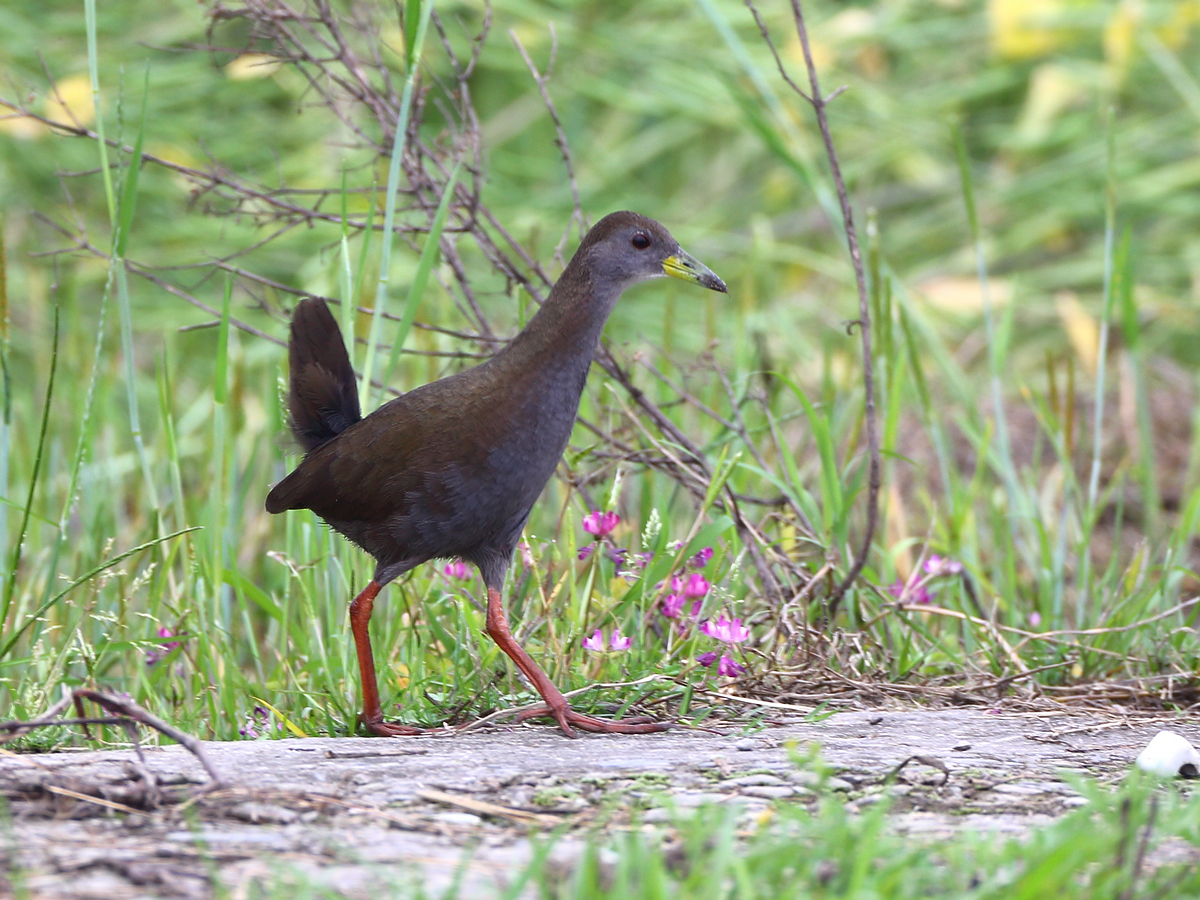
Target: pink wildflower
700, 560
617, 642
936, 565
153, 656
600, 524
672, 605
726, 665
457, 569
731, 631
918, 593
696, 586
595, 643
584, 552
1035, 619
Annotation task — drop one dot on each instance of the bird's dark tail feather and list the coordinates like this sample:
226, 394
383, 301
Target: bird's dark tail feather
322, 396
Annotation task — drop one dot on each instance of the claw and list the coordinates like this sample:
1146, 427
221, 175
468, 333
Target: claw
566, 717
380, 728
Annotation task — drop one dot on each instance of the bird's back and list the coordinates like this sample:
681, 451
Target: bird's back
452, 468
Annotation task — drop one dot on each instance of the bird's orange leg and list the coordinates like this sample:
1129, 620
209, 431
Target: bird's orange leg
556, 703
372, 714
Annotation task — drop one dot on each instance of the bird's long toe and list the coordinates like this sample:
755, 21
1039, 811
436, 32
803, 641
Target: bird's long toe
380, 728
568, 717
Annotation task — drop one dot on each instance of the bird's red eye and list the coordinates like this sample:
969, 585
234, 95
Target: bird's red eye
640, 241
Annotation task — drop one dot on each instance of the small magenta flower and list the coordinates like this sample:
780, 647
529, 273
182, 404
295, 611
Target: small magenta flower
526, 553
258, 716
731, 631
584, 552
617, 642
937, 565
672, 605
600, 524
641, 560
696, 585
1035, 619
595, 643
917, 594
154, 655
726, 665
457, 569
701, 559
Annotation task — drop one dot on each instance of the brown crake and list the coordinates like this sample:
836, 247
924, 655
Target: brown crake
453, 468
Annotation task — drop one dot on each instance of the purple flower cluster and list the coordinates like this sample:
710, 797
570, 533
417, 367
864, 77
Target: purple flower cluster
164, 649
728, 631
457, 569
916, 590
617, 643
259, 718
683, 588
600, 524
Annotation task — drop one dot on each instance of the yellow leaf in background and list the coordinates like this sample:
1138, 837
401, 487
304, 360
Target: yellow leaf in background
1133, 573
851, 23
618, 588
173, 153
391, 36
1178, 29
19, 126
250, 66
964, 295
71, 101
823, 55
1024, 29
1082, 330
1120, 35
787, 539
1052, 89
402, 679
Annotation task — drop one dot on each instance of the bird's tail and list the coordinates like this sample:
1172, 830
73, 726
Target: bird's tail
322, 395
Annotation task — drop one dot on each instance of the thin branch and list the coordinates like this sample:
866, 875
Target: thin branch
819, 104
561, 139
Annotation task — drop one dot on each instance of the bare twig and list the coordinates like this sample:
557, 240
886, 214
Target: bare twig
542, 80
819, 103
127, 713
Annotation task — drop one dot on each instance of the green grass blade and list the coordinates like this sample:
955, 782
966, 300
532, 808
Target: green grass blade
412, 63
82, 579
429, 258
120, 243
39, 453
89, 10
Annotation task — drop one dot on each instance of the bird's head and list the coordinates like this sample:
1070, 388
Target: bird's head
624, 248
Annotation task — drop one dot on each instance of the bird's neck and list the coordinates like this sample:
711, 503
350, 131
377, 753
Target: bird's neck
565, 331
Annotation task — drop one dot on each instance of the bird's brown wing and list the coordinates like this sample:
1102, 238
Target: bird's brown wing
375, 468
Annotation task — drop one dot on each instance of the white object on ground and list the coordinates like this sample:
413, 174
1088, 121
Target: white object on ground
1170, 755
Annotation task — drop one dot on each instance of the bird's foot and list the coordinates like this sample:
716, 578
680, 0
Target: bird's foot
381, 728
566, 717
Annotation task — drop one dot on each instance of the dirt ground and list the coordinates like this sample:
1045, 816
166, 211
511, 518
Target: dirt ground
371, 817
